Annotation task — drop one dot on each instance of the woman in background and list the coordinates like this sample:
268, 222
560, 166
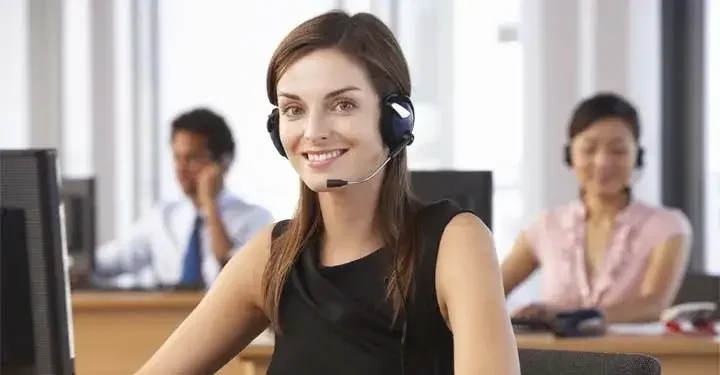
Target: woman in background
607, 250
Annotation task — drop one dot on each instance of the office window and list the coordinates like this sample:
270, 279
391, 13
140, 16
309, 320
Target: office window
211, 54
712, 136
465, 62
76, 74
14, 121
488, 105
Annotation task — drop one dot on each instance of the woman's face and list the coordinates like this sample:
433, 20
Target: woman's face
604, 156
329, 119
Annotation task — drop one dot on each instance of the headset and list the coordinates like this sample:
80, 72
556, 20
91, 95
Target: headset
397, 121
223, 158
639, 161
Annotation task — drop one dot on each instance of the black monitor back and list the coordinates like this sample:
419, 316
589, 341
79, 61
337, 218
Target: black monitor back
36, 314
472, 190
78, 197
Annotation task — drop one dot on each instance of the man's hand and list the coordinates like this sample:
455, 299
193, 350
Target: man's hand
209, 184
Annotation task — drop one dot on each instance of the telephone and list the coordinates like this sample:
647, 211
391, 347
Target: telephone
223, 159
698, 315
570, 323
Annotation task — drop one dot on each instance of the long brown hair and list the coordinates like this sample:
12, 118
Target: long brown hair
369, 41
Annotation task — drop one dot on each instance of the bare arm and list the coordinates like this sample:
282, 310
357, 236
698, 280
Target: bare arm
659, 285
519, 265
226, 320
469, 290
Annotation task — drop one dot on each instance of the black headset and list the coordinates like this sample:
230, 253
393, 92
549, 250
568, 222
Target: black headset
396, 123
639, 161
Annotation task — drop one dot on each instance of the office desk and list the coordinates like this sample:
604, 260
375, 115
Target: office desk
678, 355
116, 332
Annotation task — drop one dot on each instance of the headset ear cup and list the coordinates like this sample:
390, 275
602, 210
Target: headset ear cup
640, 161
273, 128
567, 156
397, 119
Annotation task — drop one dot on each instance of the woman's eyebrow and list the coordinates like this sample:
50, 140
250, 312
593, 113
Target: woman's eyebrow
327, 96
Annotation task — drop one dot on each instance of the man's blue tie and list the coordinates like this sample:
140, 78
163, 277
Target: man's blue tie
192, 266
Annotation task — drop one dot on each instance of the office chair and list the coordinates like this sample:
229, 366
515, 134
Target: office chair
564, 362
697, 287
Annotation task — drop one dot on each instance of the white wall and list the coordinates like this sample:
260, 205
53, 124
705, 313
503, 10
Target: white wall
13, 74
712, 136
62, 87
30, 73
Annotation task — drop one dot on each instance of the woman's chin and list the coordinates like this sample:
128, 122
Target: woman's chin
607, 190
318, 185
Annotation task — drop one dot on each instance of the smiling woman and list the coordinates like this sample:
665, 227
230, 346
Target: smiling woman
335, 281
607, 250
346, 100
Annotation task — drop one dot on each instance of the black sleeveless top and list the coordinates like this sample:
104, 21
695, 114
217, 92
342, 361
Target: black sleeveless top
336, 320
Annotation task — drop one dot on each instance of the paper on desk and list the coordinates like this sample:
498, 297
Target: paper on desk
264, 339
650, 329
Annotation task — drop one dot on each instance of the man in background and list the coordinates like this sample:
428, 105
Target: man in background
186, 242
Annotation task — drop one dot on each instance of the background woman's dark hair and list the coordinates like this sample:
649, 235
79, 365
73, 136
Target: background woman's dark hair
368, 41
602, 106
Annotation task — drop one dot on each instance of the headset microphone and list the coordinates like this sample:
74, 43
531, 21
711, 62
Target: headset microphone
407, 140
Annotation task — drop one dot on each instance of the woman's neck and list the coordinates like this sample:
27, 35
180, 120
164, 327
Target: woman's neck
605, 207
351, 227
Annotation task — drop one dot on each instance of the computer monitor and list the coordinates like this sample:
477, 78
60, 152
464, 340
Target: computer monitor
472, 190
78, 197
35, 310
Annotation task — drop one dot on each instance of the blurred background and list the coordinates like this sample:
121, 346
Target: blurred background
494, 85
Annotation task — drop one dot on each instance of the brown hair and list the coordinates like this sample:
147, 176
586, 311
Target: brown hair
370, 42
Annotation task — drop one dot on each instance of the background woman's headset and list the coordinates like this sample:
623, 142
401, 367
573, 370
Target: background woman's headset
639, 161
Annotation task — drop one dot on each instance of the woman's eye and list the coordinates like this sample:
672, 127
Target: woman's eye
344, 106
292, 111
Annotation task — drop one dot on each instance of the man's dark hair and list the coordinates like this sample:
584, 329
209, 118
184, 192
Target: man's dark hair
209, 124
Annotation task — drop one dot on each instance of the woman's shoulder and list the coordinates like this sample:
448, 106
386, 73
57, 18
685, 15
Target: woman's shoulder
656, 220
438, 213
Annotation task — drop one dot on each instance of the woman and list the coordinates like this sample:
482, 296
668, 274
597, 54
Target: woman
339, 305
607, 250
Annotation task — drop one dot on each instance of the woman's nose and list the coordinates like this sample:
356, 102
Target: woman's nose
608, 160
318, 127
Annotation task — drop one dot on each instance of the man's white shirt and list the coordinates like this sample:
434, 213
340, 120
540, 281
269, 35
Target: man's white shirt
153, 251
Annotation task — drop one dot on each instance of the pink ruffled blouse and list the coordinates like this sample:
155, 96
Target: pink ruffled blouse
558, 242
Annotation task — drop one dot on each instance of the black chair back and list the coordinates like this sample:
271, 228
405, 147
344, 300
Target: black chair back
562, 362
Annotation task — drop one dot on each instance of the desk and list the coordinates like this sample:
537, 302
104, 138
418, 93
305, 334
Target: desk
678, 355
116, 332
